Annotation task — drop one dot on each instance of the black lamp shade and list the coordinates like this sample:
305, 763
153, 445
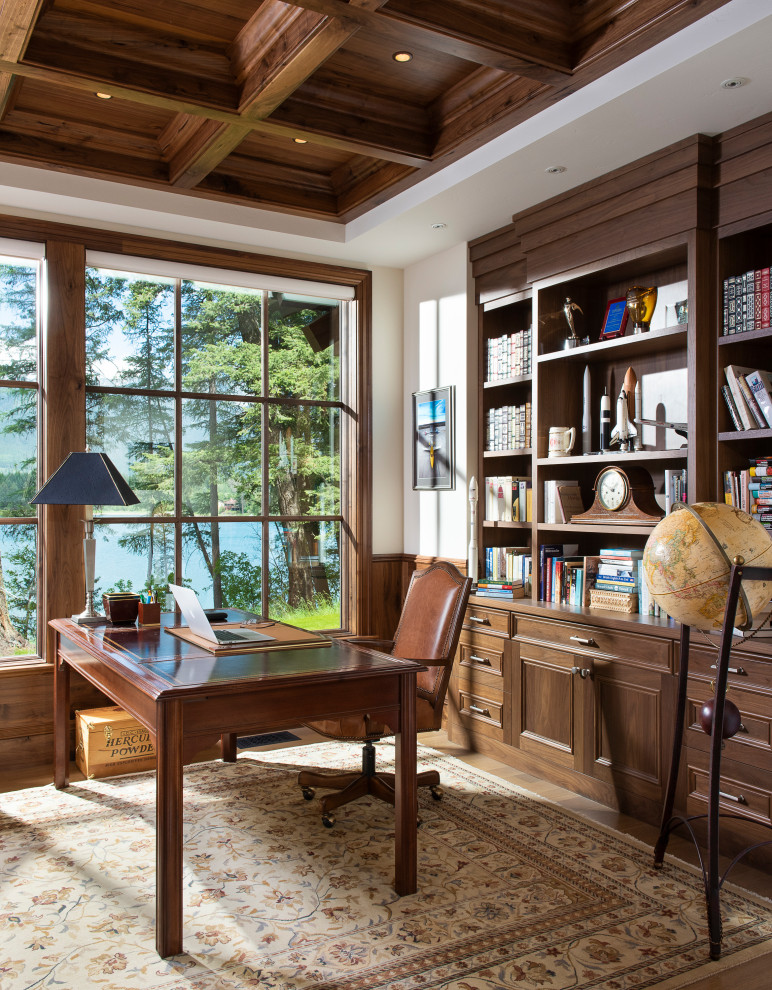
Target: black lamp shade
86, 478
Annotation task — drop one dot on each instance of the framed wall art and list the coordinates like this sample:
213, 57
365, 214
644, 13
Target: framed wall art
434, 466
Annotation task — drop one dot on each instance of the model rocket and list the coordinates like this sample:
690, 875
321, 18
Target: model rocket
624, 431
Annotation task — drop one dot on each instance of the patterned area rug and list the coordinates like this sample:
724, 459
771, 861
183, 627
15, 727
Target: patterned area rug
513, 892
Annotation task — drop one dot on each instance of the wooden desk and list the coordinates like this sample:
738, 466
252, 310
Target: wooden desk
187, 699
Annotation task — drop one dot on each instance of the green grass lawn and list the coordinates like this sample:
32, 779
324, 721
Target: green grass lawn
326, 616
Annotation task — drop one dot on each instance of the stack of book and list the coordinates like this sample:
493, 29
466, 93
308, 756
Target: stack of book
508, 499
509, 427
748, 397
617, 581
746, 301
503, 590
750, 489
508, 565
508, 356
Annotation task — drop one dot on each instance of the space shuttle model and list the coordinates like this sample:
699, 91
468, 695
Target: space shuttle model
625, 433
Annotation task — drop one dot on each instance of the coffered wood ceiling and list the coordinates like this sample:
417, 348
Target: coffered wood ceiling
208, 96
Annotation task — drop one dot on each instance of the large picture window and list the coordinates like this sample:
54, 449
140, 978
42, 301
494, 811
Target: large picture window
225, 408
19, 376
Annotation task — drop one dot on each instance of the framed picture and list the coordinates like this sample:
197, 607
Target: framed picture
434, 466
615, 321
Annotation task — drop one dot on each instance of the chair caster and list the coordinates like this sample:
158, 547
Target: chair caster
308, 793
437, 792
328, 821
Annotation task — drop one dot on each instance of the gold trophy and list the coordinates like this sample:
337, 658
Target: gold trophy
640, 305
570, 311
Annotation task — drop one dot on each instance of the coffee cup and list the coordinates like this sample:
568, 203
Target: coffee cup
561, 440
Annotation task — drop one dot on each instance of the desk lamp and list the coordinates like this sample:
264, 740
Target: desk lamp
86, 479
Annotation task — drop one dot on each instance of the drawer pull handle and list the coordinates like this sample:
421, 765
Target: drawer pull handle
479, 711
483, 660
582, 641
476, 618
583, 672
740, 671
743, 727
730, 797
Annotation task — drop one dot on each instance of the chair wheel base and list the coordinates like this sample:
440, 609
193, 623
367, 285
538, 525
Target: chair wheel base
437, 792
308, 793
328, 821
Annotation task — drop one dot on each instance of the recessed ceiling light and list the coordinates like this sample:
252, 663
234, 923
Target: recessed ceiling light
734, 83
300, 140
555, 169
402, 56
105, 96
439, 226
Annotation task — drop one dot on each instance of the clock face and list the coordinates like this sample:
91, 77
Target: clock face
613, 490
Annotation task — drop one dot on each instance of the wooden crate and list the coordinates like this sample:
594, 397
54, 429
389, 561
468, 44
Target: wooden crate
109, 742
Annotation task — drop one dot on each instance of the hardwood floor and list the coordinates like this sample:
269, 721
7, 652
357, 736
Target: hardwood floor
753, 975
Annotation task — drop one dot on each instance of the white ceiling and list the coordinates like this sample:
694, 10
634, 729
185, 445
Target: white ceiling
669, 93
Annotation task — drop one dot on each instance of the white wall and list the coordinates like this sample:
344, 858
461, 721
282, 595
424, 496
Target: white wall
388, 424
438, 313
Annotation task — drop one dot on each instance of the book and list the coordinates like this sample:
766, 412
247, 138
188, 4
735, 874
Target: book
569, 502
551, 510
731, 372
760, 384
751, 401
734, 415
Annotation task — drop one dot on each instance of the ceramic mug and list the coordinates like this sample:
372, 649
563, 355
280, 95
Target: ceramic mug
561, 440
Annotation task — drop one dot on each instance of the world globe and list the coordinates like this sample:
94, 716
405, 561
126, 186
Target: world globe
688, 558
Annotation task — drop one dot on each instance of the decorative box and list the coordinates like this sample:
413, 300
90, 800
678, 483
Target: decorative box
120, 607
109, 742
149, 613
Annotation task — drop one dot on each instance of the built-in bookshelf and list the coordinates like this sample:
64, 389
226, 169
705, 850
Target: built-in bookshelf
674, 361
746, 247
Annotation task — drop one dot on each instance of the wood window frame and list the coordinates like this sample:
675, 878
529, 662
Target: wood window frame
63, 406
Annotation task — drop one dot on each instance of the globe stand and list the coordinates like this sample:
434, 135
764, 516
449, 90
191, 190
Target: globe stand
711, 873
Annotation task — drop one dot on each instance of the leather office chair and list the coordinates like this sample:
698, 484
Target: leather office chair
428, 632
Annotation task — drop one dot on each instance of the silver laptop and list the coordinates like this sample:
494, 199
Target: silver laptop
194, 615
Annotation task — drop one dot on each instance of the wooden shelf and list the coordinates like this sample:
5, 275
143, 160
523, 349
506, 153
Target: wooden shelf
732, 435
601, 530
655, 342
504, 382
746, 337
515, 452
611, 457
500, 524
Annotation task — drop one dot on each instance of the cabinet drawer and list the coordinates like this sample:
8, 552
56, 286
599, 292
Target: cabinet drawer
744, 791
481, 653
753, 743
486, 618
474, 706
650, 651
745, 670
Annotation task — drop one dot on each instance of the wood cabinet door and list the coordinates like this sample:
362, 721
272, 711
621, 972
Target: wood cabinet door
545, 695
623, 714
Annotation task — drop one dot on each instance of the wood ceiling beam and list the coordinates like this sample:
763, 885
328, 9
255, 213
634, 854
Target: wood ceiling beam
64, 80
405, 33
17, 19
276, 51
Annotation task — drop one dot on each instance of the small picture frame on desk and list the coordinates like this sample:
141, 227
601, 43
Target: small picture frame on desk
615, 320
433, 439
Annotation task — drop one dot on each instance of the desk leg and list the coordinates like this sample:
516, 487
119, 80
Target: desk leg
61, 720
168, 898
228, 747
406, 792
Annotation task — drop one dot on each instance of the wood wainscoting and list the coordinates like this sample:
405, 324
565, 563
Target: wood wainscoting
389, 580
